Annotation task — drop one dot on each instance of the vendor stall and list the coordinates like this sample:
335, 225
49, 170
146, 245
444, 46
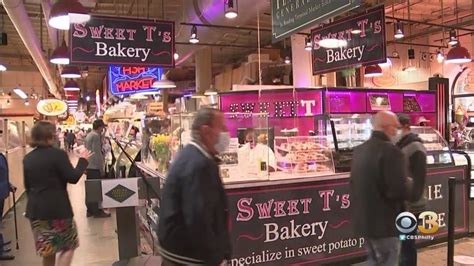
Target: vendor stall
288, 201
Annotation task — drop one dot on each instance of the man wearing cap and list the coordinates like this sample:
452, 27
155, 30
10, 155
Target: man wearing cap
414, 151
96, 168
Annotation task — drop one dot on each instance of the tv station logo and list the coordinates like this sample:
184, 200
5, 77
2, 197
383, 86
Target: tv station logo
421, 227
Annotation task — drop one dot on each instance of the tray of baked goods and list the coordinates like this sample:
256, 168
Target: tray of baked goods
303, 154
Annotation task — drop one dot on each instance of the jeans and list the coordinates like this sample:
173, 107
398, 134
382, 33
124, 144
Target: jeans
92, 207
383, 251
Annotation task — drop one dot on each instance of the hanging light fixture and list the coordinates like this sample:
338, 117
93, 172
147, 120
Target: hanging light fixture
458, 55
20, 93
27, 102
163, 83
411, 56
60, 55
71, 72
8, 102
440, 57
387, 63
194, 36
398, 30
71, 85
211, 91
373, 71
66, 12
453, 38
231, 9
308, 44
332, 43
287, 60
3, 68
176, 56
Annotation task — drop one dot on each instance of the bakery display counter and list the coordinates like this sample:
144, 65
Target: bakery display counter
308, 220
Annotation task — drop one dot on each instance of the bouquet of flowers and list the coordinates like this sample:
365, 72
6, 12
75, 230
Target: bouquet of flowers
159, 144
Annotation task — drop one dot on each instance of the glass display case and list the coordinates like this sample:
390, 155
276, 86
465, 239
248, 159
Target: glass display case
304, 155
14, 135
350, 131
438, 152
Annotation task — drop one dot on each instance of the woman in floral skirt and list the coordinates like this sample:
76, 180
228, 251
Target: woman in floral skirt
47, 171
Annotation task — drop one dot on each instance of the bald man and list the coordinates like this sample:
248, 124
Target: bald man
379, 186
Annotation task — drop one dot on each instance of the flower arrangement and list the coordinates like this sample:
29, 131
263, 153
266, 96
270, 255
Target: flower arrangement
159, 144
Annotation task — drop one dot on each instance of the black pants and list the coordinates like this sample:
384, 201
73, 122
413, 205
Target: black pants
92, 207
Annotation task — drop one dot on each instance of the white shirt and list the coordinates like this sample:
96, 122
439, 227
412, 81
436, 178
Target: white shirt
250, 158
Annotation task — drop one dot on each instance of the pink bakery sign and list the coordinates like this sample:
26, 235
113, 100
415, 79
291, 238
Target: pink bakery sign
277, 103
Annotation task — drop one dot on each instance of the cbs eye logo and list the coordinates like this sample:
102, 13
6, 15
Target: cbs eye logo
406, 222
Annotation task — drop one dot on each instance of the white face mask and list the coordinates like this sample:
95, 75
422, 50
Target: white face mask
222, 143
395, 139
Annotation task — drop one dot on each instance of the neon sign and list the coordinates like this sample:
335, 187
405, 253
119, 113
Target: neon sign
124, 80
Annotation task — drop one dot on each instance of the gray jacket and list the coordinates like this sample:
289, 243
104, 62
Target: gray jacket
415, 153
93, 143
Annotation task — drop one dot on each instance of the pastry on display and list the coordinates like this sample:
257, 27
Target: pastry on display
303, 155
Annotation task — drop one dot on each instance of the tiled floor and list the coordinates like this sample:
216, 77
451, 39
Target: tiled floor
97, 238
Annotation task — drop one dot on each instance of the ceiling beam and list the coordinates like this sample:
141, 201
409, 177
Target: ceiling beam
453, 26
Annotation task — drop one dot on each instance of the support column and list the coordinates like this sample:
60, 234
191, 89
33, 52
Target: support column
301, 61
203, 60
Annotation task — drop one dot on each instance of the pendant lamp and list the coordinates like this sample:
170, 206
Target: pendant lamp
66, 12
71, 72
458, 55
373, 71
194, 36
60, 55
71, 85
3, 67
163, 83
231, 9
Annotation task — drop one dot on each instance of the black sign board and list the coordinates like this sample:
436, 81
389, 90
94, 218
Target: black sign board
311, 223
289, 16
365, 48
125, 41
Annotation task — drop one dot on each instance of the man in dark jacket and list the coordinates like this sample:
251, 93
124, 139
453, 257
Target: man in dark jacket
414, 151
5, 189
193, 215
379, 186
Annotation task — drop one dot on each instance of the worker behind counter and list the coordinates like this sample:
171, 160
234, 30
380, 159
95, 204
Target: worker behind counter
255, 156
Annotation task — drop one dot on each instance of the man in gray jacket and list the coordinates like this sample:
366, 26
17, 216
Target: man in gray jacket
96, 168
415, 152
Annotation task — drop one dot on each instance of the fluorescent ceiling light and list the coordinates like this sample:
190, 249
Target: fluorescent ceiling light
20, 93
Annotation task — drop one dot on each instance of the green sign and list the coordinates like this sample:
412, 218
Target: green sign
290, 16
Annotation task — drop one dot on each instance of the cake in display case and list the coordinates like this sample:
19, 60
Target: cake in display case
302, 155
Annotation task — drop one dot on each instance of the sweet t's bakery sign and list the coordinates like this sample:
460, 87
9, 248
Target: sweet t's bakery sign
111, 40
365, 48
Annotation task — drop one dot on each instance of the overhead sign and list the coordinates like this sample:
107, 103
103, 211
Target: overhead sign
125, 80
365, 48
112, 40
290, 16
51, 107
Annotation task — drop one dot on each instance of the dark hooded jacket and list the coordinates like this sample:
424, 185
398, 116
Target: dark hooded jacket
415, 152
379, 187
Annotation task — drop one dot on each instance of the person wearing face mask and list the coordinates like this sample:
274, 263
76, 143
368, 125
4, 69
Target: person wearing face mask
96, 167
192, 228
412, 147
379, 188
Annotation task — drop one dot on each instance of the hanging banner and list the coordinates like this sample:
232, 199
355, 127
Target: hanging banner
124, 80
290, 16
365, 48
112, 40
